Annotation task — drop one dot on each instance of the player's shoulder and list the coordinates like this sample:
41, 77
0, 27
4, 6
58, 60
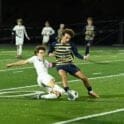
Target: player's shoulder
23, 26
50, 28
72, 43
44, 28
33, 57
46, 61
16, 26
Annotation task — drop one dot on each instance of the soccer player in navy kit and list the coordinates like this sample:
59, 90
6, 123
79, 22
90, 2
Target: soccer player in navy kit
64, 51
89, 35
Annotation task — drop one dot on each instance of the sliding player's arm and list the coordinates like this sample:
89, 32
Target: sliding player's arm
19, 63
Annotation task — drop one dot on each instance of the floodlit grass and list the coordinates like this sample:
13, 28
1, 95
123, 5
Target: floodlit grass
107, 63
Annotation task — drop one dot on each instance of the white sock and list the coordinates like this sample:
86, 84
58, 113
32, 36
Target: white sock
49, 96
17, 50
20, 50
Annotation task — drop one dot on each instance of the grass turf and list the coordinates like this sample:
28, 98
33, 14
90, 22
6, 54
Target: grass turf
22, 110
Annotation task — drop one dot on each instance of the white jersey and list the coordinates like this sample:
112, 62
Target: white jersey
44, 78
47, 32
20, 31
41, 66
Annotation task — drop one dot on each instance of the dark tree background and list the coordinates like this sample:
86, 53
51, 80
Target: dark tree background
67, 11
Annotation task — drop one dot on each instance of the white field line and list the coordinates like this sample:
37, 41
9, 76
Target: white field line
92, 62
18, 88
90, 116
6, 52
15, 72
97, 50
120, 53
83, 63
97, 73
20, 95
121, 50
13, 69
8, 59
93, 78
16, 92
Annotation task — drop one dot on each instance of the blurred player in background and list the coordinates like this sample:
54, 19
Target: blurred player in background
89, 32
64, 51
47, 32
43, 78
60, 30
19, 31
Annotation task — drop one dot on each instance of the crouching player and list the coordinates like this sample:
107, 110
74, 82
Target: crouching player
43, 79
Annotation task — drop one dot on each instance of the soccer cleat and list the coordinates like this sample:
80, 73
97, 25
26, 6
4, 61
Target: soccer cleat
86, 57
93, 94
38, 94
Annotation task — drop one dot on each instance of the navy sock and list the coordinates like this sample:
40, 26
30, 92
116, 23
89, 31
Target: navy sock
89, 89
66, 88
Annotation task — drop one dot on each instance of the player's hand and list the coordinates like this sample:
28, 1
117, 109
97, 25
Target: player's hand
51, 54
29, 38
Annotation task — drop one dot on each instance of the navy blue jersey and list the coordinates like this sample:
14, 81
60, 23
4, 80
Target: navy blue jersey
64, 53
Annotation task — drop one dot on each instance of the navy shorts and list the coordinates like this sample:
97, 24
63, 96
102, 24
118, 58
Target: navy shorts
70, 68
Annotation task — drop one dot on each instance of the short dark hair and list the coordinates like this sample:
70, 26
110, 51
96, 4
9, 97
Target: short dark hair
68, 31
39, 47
90, 18
20, 20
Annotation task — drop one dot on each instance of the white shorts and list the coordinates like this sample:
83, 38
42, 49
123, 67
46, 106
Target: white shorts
45, 39
43, 82
44, 79
19, 41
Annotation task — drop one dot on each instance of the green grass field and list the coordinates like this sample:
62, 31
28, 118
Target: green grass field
105, 70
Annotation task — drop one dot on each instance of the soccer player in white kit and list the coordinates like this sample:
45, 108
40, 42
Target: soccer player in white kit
43, 78
19, 31
46, 32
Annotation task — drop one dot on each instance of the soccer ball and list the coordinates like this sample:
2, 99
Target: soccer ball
73, 95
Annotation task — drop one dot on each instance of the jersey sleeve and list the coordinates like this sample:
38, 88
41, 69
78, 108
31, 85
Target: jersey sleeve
52, 47
48, 64
75, 52
14, 28
31, 60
